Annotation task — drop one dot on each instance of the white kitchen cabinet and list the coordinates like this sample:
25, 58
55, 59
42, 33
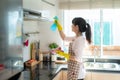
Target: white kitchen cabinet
32, 5
49, 8
50, 2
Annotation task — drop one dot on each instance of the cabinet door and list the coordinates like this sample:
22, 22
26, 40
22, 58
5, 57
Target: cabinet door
32, 4
105, 76
49, 8
64, 75
88, 76
58, 76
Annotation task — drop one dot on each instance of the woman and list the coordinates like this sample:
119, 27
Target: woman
76, 69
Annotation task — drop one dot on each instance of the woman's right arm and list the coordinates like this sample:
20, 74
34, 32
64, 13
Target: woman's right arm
62, 35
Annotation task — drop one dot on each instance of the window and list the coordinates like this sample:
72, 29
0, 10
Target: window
104, 24
106, 32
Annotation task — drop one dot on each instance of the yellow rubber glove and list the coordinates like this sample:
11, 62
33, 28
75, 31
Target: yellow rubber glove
58, 25
61, 53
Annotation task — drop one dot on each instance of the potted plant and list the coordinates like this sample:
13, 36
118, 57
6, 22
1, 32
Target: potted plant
53, 46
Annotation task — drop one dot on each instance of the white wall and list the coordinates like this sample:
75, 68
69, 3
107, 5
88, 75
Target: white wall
28, 27
46, 35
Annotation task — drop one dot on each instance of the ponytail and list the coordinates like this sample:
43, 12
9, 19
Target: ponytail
83, 27
88, 33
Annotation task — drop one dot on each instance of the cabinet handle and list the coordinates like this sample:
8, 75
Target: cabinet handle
48, 3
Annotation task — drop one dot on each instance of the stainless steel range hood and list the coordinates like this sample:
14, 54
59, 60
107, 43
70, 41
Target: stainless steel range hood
33, 15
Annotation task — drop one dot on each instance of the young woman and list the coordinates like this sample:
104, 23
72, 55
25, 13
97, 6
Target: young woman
76, 69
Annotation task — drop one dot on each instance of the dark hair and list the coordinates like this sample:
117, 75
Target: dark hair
83, 27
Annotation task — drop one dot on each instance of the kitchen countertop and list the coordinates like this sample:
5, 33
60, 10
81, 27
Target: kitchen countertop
48, 70
102, 57
43, 71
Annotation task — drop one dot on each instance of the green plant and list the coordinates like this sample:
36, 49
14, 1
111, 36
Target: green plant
53, 45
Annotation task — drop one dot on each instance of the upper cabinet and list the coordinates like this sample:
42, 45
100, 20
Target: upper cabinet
32, 5
48, 8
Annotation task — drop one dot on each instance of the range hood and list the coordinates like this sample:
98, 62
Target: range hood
33, 15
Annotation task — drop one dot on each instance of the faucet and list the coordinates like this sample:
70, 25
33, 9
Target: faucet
95, 53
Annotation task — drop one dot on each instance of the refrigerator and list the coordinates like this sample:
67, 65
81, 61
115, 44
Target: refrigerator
11, 42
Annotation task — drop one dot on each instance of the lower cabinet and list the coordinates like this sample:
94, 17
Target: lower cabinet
88, 76
105, 76
102, 76
62, 75
58, 76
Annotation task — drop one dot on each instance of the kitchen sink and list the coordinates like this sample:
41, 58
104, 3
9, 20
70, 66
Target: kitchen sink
111, 65
98, 65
